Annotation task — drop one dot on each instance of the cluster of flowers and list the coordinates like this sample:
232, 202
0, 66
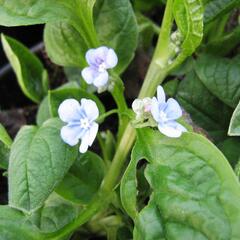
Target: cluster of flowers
158, 112
81, 118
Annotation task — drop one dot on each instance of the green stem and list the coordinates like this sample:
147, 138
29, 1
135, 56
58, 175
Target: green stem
118, 95
120, 157
106, 159
106, 114
157, 69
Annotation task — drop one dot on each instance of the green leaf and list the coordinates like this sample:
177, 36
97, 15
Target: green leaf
83, 180
5, 145
217, 8
234, 127
73, 74
148, 225
17, 13
194, 187
56, 97
65, 45
70, 23
14, 225
147, 30
55, 214
205, 109
189, 18
221, 76
225, 44
230, 148
143, 5
117, 28
39, 160
43, 113
31, 75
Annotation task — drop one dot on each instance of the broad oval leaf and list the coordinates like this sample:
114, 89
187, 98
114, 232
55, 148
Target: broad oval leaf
31, 75
83, 179
221, 76
194, 187
189, 19
56, 97
39, 160
116, 26
234, 127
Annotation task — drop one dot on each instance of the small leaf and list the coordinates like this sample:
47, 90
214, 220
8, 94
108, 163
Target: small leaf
221, 76
31, 75
217, 8
5, 144
83, 180
234, 127
39, 160
193, 186
117, 28
56, 97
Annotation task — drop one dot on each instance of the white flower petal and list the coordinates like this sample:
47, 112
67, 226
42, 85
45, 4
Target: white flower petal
111, 59
171, 129
101, 79
92, 133
173, 109
137, 105
91, 56
96, 55
161, 94
101, 52
69, 110
88, 74
90, 108
84, 145
155, 109
71, 134
147, 102
88, 138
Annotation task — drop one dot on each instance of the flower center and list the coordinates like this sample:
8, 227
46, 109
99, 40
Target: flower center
163, 116
102, 67
84, 122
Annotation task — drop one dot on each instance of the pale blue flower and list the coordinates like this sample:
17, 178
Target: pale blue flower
165, 113
80, 121
100, 60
